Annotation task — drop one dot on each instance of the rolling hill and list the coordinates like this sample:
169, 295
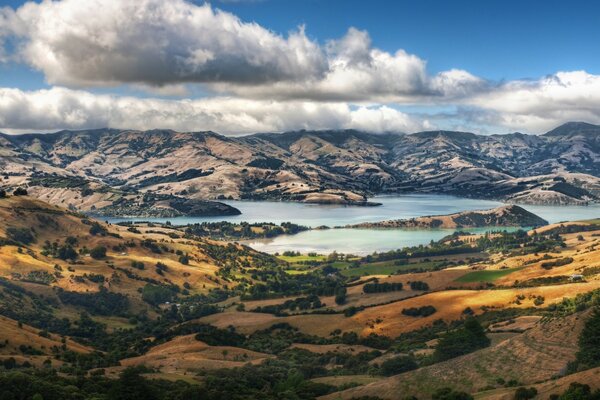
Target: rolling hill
125, 172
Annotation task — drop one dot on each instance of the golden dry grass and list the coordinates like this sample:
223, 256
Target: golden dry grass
534, 356
13, 336
186, 354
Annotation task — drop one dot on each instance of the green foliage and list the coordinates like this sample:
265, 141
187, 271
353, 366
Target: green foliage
382, 287
559, 262
98, 252
462, 341
419, 285
578, 391
523, 393
21, 235
157, 294
98, 230
450, 394
302, 303
243, 230
102, 302
340, 295
423, 311
588, 355
398, 365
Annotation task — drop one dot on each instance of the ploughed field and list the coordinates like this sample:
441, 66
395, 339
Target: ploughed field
92, 299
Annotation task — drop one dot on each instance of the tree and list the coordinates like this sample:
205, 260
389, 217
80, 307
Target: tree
588, 355
579, 391
523, 393
2, 193
462, 341
98, 252
184, 259
20, 192
398, 365
340, 295
132, 386
450, 394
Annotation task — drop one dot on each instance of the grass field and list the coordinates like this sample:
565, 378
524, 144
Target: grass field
302, 258
489, 275
387, 268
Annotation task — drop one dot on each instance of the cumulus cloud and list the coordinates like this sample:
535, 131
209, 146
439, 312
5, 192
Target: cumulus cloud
538, 105
62, 108
260, 80
360, 73
155, 42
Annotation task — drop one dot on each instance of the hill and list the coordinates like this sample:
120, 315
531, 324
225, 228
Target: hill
162, 306
126, 172
501, 216
537, 355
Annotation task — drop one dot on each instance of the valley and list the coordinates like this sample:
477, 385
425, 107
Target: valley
194, 311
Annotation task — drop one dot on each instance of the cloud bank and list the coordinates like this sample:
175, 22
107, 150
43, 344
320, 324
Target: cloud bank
62, 108
255, 79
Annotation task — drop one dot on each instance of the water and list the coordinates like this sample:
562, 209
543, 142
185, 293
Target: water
364, 241
354, 241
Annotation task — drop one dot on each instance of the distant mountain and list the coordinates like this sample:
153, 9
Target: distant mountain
93, 169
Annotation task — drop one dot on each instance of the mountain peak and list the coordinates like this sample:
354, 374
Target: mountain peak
572, 128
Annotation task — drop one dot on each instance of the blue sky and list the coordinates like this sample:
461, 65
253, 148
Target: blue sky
487, 66
497, 39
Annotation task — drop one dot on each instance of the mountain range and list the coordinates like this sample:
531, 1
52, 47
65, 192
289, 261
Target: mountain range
129, 172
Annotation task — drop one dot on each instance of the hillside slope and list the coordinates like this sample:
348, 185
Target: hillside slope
89, 170
534, 356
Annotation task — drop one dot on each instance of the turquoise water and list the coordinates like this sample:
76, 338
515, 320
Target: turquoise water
363, 241
353, 241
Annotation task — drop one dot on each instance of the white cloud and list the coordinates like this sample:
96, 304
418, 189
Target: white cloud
264, 81
155, 42
61, 108
360, 73
540, 105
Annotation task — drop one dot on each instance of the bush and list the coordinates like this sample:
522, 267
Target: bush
97, 229
398, 365
98, 252
419, 285
382, 287
578, 391
20, 192
340, 295
450, 394
424, 311
21, 235
525, 393
185, 260
2, 193
137, 264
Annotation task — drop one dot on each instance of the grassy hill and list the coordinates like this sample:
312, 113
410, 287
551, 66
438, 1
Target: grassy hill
102, 301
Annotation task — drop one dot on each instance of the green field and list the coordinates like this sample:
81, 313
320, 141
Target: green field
387, 268
302, 258
486, 275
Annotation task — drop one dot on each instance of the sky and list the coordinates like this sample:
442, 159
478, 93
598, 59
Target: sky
246, 66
